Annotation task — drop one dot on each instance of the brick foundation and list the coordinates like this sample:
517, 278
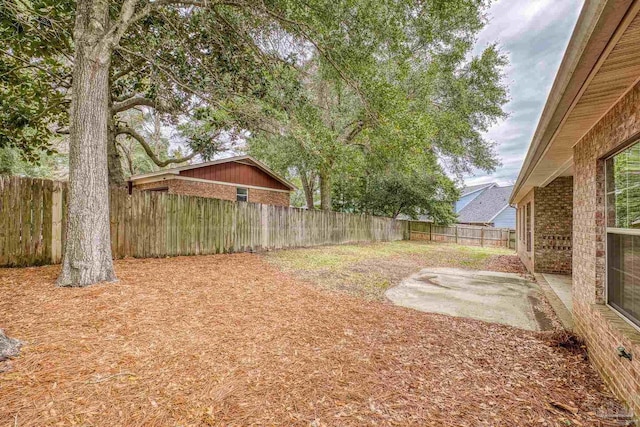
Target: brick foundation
602, 329
216, 191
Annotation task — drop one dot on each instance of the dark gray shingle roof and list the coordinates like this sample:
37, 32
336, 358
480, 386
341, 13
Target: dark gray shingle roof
473, 188
486, 206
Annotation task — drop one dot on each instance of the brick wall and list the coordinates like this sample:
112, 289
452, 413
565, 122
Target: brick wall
526, 256
553, 223
267, 197
217, 191
202, 189
602, 329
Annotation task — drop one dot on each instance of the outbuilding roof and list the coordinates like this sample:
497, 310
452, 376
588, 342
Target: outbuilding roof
238, 159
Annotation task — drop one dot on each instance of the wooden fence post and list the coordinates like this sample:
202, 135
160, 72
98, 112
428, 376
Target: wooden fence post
264, 219
482, 237
56, 223
430, 232
456, 227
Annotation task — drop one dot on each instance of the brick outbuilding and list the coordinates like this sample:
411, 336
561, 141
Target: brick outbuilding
240, 178
578, 193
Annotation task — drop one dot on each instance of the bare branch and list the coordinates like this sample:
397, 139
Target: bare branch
358, 126
130, 103
122, 73
147, 148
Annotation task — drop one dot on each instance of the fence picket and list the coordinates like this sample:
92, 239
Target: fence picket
462, 234
33, 217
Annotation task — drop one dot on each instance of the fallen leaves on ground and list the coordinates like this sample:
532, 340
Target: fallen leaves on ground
229, 340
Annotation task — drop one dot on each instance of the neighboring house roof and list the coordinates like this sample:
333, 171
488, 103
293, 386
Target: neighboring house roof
600, 65
488, 205
473, 188
248, 160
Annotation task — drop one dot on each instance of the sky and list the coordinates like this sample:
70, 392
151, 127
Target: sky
534, 34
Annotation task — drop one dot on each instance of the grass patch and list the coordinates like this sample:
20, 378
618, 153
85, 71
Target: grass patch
368, 270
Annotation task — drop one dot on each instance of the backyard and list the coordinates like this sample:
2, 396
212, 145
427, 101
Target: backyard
368, 270
298, 337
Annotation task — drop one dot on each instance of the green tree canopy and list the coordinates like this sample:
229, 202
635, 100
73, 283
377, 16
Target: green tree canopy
376, 76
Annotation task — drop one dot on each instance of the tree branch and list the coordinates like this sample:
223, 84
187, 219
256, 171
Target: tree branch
136, 101
302, 28
359, 127
147, 148
29, 64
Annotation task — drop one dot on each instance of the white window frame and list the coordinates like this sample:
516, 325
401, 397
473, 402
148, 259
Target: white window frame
528, 231
615, 230
246, 195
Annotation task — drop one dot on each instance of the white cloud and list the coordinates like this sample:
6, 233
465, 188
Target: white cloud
534, 34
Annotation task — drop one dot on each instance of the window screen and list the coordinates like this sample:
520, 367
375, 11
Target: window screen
623, 232
242, 194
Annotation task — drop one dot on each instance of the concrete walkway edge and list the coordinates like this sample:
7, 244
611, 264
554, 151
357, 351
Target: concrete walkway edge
558, 306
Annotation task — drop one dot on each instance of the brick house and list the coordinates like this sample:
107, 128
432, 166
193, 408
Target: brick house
240, 178
578, 193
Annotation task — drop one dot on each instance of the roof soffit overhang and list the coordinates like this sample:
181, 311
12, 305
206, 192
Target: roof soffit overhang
598, 68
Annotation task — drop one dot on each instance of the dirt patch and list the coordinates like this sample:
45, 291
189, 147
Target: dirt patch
507, 264
544, 314
229, 340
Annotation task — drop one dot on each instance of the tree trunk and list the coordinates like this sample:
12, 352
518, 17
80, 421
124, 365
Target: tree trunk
87, 255
9, 347
308, 187
325, 190
116, 174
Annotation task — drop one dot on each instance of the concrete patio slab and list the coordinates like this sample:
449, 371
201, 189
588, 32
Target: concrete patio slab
485, 295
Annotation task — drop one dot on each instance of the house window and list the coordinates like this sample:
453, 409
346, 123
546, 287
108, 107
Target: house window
623, 232
527, 221
242, 194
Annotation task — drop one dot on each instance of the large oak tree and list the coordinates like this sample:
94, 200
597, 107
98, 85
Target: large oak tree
224, 65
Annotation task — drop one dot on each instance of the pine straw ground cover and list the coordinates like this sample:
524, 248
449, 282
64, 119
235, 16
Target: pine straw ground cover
230, 340
368, 270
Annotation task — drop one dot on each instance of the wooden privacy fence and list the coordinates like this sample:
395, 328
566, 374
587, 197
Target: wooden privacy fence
463, 234
155, 224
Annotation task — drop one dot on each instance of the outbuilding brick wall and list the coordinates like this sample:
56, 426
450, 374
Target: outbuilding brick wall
553, 224
266, 197
216, 191
602, 328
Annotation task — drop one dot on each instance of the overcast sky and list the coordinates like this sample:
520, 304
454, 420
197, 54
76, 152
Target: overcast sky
534, 34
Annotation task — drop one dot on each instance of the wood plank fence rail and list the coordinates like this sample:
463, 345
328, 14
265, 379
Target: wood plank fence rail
154, 224
463, 234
